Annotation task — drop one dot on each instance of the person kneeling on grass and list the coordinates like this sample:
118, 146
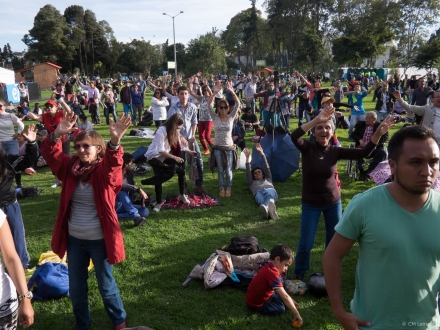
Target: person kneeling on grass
124, 205
266, 294
260, 183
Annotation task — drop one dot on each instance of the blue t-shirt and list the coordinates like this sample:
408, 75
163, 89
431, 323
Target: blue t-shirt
357, 99
398, 269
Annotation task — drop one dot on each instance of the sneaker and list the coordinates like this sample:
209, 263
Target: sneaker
139, 221
55, 184
206, 152
184, 199
264, 212
222, 192
228, 192
273, 210
157, 207
30, 171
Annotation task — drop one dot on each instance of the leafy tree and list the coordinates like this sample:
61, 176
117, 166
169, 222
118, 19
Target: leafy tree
310, 49
140, 56
47, 40
168, 51
75, 21
206, 54
416, 17
428, 54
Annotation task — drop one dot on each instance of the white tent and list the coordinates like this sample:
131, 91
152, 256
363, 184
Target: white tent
7, 76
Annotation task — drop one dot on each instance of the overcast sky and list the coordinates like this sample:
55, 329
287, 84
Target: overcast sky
130, 18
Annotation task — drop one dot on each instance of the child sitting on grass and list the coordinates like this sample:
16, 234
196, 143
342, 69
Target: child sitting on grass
266, 294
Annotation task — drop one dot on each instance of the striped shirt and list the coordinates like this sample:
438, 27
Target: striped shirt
84, 221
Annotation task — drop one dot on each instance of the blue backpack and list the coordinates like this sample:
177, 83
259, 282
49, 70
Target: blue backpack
52, 281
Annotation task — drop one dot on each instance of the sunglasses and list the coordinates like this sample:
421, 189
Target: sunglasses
156, 92
223, 108
84, 146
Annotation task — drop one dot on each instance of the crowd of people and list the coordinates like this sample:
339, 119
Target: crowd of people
98, 187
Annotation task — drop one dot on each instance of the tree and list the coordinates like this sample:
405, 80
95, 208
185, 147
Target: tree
47, 40
140, 56
310, 49
75, 21
365, 25
206, 54
416, 16
428, 54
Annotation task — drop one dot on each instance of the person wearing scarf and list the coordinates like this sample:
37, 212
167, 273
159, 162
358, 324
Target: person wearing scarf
268, 96
87, 225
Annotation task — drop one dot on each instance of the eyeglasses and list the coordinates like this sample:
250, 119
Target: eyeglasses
156, 92
84, 146
223, 108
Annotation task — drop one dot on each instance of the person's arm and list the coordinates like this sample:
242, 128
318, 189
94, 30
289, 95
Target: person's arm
249, 178
371, 89
417, 109
152, 85
325, 115
64, 105
15, 271
332, 265
36, 117
20, 163
266, 167
237, 101
348, 92
289, 302
18, 123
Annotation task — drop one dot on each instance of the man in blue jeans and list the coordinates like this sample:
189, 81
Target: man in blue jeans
187, 133
124, 205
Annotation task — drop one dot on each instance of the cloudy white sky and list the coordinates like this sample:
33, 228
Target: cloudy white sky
129, 18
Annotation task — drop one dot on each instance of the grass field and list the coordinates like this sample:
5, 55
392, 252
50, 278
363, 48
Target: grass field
161, 254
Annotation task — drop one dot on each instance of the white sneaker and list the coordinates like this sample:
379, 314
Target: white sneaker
263, 210
54, 185
273, 210
157, 207
184, 199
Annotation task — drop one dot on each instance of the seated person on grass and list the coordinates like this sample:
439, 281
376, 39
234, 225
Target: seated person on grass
363, 131
266, 294
260, 183
251, 121
124, 205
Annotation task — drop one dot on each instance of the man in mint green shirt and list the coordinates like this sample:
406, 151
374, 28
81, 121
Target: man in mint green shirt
397, 227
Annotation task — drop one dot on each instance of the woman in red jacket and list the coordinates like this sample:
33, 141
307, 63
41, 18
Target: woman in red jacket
87, 225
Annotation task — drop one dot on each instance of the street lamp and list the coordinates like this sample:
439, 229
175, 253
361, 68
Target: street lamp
174, 36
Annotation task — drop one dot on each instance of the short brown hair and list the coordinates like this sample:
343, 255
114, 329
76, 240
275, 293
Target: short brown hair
95, 138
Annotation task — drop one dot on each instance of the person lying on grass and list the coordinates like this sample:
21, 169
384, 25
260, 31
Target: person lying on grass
266, 294
260, 183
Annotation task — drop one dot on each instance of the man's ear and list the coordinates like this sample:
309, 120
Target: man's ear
393, 166
277, 259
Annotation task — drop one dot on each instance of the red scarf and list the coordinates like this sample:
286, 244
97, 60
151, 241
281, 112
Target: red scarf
83, 173
175, 150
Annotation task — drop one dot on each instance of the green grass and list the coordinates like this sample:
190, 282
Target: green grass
161, 254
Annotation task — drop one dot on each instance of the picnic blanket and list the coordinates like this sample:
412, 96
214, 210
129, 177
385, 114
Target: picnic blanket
198, 200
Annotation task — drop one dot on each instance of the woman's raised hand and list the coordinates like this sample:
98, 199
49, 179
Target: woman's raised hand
117, 130
386, 124
246, 152
66, 125
217, 87
259, 148
326, 114
229, 86
31, 134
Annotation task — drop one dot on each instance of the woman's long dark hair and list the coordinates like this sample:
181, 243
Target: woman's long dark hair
3, 165
171, 126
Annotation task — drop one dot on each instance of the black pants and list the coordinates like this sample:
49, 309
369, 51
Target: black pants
162, 173
378, 155
159, 123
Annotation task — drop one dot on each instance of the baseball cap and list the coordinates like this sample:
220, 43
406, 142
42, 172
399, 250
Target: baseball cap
326, 99
50, 102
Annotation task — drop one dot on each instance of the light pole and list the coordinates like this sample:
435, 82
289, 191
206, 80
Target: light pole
174, 37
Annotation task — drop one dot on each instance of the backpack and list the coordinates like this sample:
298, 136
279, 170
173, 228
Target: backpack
241, 245
52, 281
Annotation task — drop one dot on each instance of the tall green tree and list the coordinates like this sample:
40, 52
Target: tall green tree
140, 56
47, 40
206, 54
416, 17
428, 54
75, 21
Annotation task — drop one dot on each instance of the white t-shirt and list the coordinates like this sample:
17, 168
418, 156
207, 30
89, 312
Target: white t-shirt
8, 290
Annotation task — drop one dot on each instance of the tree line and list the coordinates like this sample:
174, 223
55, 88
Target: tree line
296, 35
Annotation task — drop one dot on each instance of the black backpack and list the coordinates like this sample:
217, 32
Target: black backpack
241, 245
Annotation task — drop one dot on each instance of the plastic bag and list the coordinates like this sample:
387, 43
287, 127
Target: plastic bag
242, 161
